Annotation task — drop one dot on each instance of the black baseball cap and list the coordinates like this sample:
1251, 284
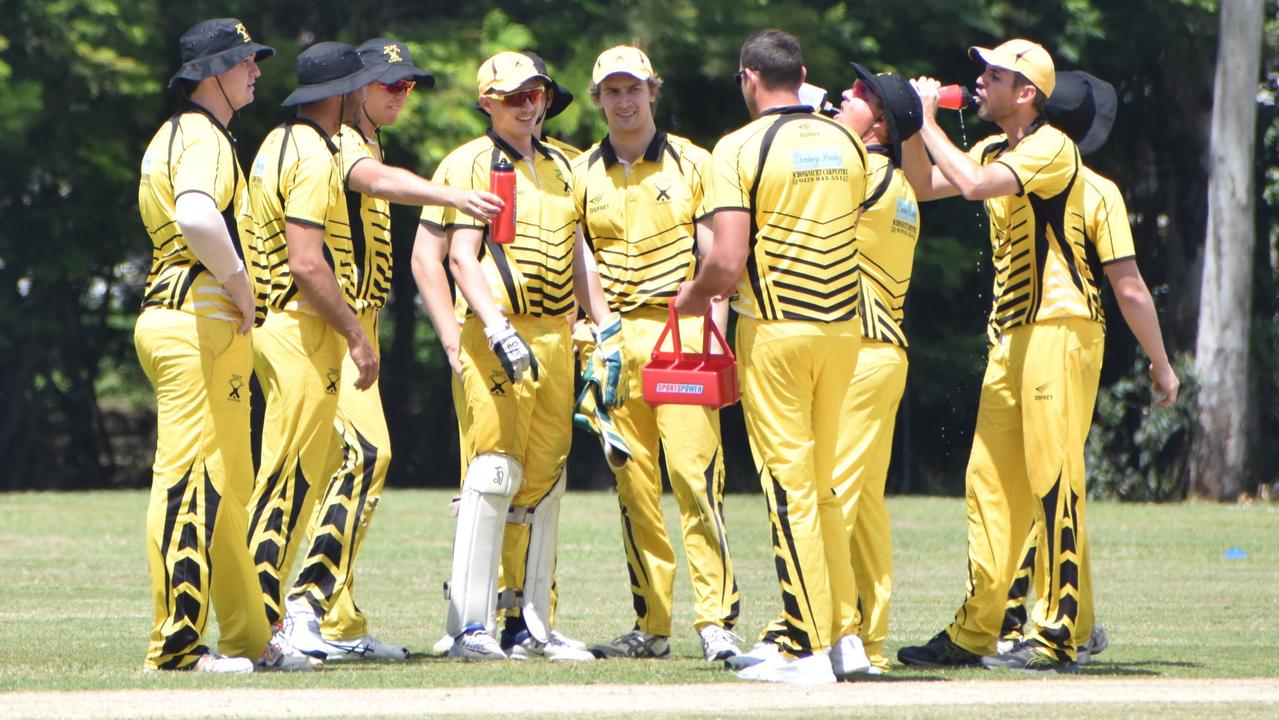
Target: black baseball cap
901, 106
328, 69
211, 47
393, 61
1084, 108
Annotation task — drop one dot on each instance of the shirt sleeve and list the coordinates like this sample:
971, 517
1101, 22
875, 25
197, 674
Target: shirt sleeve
437, 215
729, 187
1107, 220
200, 163
351, 150
699, 180
472, 176
308, 186
1044, 163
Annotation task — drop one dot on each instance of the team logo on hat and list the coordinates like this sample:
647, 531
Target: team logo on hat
244, 32
392, 53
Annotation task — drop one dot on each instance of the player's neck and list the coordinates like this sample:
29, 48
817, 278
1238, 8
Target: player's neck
211, 101
326, 113
1017, 126
631, 145
768, 99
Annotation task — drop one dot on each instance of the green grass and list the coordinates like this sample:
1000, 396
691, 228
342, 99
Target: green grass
75, 613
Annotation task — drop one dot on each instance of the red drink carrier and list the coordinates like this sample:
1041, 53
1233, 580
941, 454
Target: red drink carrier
686, 378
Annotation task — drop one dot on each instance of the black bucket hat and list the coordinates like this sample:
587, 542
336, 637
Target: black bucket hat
211, 47
561, 98
327, 69
901, 106
1084, 108
391, 58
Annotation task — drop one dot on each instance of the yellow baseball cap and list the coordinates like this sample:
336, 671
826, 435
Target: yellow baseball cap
1023, 56
622, 59
505, 72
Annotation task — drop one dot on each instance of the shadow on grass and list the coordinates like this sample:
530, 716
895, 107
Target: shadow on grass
1141, 668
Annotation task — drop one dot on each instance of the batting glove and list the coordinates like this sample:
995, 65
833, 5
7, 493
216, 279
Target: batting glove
514, 354
609, 363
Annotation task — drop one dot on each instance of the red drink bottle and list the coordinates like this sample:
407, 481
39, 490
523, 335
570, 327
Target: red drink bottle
502, 184
954, 97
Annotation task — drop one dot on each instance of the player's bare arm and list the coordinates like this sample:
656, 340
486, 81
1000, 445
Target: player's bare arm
315, 280
704, 235
430, 252
959, 173
722, 266
586, 282
397, 185
464, 260
1138, 309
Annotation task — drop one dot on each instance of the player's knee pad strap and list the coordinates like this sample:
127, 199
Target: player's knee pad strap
539, 566
491, 481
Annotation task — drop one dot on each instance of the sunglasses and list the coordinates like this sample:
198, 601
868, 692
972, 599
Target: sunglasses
738, 76
517, 99
400, 86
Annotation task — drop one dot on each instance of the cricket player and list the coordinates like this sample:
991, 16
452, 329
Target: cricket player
1083, 107
1045, 329
194, 344
785, 193
884, 111
517, 371
322, 617
304, 239
639, 195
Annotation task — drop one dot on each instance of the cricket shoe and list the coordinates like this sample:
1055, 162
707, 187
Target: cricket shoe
281, 656
214, 663
756, 655
441, 646
1098, 641
812, 670
1006, 644
939, 651
848, 658
302, 628
1030, 657
365, 647
635, 644
718, 642
559, 648
476, 644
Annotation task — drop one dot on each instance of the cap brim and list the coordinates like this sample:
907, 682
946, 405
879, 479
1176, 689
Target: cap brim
218, 63
503, 91
332, 88
396, 72
1105, 107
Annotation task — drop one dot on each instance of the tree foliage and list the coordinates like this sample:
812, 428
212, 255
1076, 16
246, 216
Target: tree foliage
82, 90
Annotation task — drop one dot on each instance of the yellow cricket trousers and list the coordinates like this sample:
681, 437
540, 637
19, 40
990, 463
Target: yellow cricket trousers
794, 377
532, 420
861, 470
1027, 464
342, 514
196, 519
298, 359
1015, 614
689, 438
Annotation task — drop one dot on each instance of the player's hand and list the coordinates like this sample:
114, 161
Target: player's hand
927, 88
609, 362
511, 350
479, 204
454, 355
690, 301
1166, 383
241, 292
366, 361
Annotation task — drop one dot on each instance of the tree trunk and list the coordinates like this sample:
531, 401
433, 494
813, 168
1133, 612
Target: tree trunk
1219, 462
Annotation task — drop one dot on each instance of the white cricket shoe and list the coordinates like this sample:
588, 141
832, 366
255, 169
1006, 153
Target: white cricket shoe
1004, 646
302, 628
214, 663
812, 670
281, 656
1098, 641
441, 646
365, 647
848, 657
559, 648
756, 655
718, 643
475, 643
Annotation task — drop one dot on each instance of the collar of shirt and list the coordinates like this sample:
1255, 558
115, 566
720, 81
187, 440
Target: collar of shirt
651, 154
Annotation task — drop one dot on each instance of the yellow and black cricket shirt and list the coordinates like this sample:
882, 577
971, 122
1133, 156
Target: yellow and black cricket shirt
370, 226
639, 219
191, 152
888, 232
802, 178
296, 178
1037, 235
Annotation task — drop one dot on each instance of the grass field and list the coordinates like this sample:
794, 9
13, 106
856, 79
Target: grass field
74, 608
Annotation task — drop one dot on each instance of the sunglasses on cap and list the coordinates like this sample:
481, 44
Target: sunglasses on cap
517, 99
397, 87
